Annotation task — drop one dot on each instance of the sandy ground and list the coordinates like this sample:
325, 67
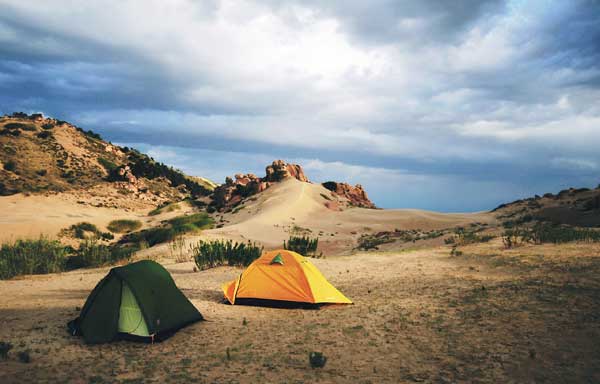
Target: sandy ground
39, 215
531, 314
35, 215
271, 216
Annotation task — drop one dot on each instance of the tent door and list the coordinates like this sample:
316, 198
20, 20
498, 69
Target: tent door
131, 319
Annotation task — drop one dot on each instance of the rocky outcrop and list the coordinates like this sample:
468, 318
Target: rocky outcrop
235, 190
279, 170
356, 195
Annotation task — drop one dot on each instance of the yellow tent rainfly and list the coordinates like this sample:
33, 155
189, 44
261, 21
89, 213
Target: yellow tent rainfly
284, 276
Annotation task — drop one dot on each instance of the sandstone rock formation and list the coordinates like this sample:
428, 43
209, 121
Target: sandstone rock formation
356, 195
234, 191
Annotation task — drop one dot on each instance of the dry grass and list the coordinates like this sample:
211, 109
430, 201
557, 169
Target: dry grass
491, 315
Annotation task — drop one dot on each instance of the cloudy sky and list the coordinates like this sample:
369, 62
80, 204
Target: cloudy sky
443, 105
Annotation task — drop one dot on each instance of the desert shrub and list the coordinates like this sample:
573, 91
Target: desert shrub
373, 241
548, 233
330, 185
150, 236
16, 126
44, 135
5, 347
144, 166
26, 257
191, 223
210, 254
325, 196
124, 225
107, 164
47, 126
89, 133
303, 245
165, 207
171, 228
317, 359
24, 356
41, 172
93, 254
106, 236
80, 229
464, 236
177, 249
10, 166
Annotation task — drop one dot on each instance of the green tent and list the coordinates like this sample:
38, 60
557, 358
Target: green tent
136, 301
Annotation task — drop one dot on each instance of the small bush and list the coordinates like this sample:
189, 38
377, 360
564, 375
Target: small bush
367, 242
80, 229
124, 225
548, 233
210, 254
47, 126
317, 359
166, 207
107, 164
93, 254
27, 257
44, 135
303, 245
172, 228
41, 172
25, 127
5, 347
24, 357
177, 248
191, 223
10, 166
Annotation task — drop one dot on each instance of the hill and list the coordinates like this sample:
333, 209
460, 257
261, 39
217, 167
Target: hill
574, 206
47, 156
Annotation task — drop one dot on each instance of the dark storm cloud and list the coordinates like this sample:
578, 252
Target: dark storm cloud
483, 98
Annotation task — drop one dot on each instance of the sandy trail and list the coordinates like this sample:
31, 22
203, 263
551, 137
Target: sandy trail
423, 316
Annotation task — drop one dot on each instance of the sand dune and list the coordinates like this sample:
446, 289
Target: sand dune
271, 215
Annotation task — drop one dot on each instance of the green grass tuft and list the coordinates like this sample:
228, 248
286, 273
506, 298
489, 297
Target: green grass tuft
124, 225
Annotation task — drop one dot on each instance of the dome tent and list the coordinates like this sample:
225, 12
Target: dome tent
282, 276
139, 300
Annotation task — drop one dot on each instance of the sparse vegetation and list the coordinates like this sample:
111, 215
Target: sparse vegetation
373, 241
177, 249
317, 359
26, 257
170, 229
325, 196
303, 245
124, 225
24, 127
85, 230
5, 347
464, 236
210, 254
42, 256
93, 254
108, 165
548, 233
24, 356
166, 207
10, 165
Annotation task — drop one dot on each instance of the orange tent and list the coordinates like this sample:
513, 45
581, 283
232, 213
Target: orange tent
286, 276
